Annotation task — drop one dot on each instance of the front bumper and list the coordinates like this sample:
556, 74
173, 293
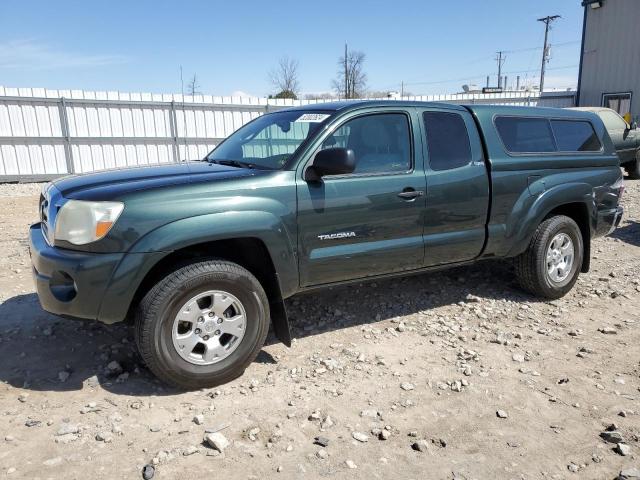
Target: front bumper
70, 283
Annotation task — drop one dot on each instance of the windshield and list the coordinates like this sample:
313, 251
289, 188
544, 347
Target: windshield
268, 141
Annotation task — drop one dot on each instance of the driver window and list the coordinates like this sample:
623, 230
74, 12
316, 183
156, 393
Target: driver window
381, 142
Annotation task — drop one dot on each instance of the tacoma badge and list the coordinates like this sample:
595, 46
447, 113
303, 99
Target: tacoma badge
334, 236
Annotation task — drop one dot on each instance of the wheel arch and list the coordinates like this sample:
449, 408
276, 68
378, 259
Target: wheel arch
248, 252
575, 200
258, 241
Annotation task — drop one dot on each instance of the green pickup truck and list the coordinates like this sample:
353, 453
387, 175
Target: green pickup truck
201, 255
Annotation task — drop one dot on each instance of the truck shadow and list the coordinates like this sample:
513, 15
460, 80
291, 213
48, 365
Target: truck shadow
370, 302
42, 352
630, 233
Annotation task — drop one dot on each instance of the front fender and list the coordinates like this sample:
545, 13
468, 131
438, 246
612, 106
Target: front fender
228, 225
529, 212
186, 232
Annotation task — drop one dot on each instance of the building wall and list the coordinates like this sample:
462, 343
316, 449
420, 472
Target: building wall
611, 53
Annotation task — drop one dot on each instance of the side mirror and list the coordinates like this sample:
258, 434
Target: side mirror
331, 161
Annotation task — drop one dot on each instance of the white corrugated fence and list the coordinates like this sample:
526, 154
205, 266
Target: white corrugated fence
48, 133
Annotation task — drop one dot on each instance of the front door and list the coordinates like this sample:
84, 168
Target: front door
368, 222
457, 187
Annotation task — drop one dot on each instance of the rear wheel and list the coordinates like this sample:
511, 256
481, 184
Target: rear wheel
633, 168
203, 324
551, 264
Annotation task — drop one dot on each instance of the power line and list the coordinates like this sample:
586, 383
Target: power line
563, 67
479, 76
481, 59
532, 58
532, 49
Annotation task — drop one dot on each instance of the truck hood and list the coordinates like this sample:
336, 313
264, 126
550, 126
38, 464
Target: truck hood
110, 184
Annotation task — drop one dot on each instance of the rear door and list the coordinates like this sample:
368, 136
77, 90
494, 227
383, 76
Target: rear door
457, 187
368, 222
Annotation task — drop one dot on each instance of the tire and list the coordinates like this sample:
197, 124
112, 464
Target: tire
531, 267
158, 324
633, 168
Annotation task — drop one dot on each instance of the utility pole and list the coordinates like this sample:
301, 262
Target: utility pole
545, 50
500, 59
346, 74
401, 89
181, 83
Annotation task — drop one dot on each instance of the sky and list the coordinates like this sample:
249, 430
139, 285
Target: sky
139, 45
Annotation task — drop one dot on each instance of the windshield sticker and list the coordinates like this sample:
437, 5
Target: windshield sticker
312, 117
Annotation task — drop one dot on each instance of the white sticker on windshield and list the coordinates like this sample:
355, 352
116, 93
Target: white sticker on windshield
312, 117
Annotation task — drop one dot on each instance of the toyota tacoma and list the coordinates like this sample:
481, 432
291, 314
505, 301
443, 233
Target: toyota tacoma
201, 255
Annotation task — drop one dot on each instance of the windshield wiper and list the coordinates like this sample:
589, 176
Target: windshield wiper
234, 163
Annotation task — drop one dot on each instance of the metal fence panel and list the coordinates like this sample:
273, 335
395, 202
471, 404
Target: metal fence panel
48, 133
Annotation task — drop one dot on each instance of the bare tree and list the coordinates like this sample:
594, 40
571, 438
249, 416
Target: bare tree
320, 96
351, 81
285, 78
193, 87
387, 94
379, 94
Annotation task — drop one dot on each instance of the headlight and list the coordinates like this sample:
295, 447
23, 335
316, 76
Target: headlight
81, 222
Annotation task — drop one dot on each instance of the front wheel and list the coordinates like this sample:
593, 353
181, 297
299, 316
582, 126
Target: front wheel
551, 264
203, 324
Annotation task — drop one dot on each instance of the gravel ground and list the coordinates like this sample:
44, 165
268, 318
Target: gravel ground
20, 189
454, 375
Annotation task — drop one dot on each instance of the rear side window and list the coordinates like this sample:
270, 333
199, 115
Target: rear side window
541, 135
447, 140
526, 135
575, 136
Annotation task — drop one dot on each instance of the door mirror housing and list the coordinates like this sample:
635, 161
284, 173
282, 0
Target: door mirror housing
331, 161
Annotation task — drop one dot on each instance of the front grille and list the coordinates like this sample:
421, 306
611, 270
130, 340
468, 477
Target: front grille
50, 202
44, 216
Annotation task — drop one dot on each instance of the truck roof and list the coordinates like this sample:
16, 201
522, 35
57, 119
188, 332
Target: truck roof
593, 109
528, 111
355, 104
478, 109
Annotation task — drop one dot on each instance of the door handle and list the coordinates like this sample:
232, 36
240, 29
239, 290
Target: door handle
410, 194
